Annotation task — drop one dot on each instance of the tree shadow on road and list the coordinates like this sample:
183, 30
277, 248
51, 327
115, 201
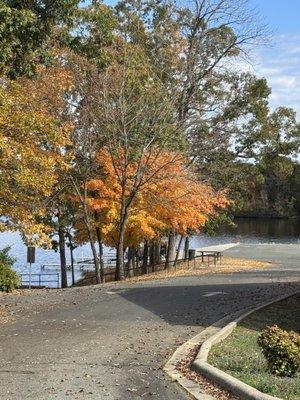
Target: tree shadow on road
187, 303
285, 314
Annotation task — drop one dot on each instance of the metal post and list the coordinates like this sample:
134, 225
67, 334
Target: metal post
30, 275
30, 260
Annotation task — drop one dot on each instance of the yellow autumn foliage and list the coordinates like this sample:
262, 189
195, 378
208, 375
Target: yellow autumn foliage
33, 139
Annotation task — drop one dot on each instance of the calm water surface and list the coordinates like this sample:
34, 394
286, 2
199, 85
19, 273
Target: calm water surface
248, 230
257, 230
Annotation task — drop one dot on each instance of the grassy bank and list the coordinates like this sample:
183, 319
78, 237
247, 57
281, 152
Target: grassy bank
240, 355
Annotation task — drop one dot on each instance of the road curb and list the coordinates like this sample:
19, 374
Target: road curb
225, 380
207, 338
182, 352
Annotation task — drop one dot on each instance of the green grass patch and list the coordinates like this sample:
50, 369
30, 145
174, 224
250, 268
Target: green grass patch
240, 356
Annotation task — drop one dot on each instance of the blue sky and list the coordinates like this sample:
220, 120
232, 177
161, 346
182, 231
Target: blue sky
279, 62
281, 16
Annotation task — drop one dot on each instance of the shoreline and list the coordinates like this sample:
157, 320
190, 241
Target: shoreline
266, 216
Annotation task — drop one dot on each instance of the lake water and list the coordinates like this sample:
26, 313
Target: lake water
248, 230
255, 231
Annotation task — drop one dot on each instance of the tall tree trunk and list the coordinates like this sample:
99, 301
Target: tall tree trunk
145, 257
95, 256
137, 261
152, 255
178, 250
62, 254
130, 261
94, 251
170, 257
100, 245
120, 275
157, 247
86, 220
186, 247
71, 246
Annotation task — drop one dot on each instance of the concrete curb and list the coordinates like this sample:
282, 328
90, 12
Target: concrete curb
191, 387
209, 336
223, 379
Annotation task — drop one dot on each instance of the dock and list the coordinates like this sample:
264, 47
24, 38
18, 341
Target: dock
82, 263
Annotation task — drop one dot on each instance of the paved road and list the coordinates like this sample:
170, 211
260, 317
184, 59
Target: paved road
112, 343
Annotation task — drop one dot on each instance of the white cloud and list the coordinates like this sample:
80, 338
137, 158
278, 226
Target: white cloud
280, 64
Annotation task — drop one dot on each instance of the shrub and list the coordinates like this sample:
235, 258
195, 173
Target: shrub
281, 349
9, 279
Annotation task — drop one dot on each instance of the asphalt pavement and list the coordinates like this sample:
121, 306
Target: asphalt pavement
113, 343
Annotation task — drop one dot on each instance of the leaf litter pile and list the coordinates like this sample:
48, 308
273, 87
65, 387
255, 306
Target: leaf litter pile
185, 367
227, 266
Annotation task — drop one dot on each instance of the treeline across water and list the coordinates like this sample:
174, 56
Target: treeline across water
272, 190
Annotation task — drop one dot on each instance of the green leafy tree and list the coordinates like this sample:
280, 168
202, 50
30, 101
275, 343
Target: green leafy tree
9, 279
95, 33
26, 31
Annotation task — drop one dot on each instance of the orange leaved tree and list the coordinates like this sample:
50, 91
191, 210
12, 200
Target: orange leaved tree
166, 198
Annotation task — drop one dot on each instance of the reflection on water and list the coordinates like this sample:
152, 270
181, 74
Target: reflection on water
255, 230
268, 229
248, 230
